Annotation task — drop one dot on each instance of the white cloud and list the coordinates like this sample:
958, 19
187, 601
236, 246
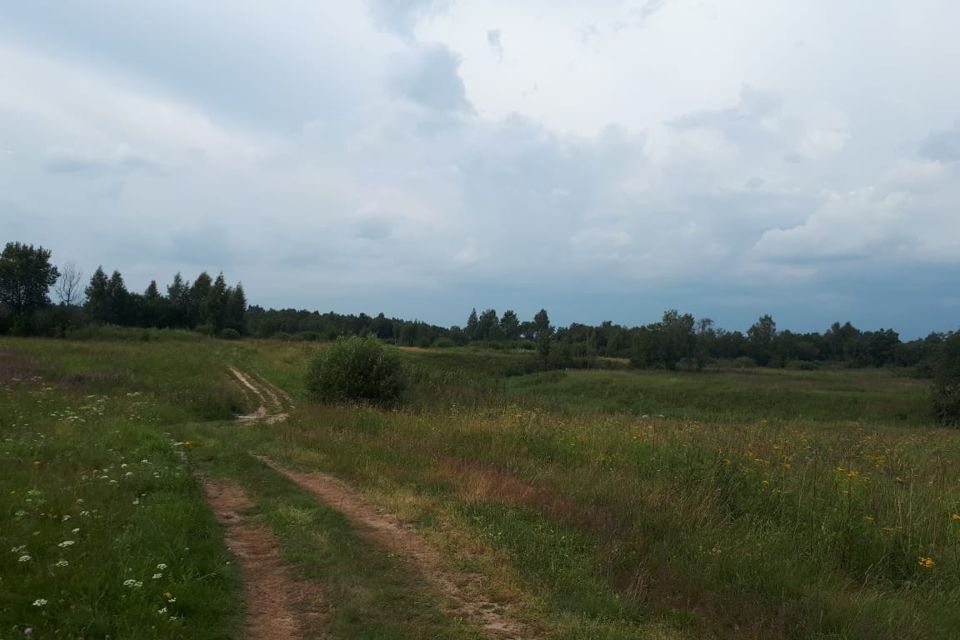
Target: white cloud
356, 148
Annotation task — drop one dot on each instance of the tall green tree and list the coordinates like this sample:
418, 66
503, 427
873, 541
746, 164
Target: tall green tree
152, 310
178, 296
98, 298
541, 324
760, 339
217, 303
473, 324
199, 299
946, 385
237, 309
26, 276
510, 325
488, 325
120, 302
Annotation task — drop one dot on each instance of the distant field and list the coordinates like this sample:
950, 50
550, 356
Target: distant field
590, 504
836, 396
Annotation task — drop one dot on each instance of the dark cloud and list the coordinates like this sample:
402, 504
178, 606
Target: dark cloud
430, 77
943, 146
401, 16
73, 162
742, 122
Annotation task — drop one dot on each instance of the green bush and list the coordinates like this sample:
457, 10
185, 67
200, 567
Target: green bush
444, 343
946, 384
357, 369
230, 334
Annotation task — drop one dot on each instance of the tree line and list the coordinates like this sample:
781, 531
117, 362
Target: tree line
210, 305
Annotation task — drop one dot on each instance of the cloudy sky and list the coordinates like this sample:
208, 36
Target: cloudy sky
605, 160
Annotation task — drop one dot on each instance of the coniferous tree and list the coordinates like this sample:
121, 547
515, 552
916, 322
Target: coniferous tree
236, 309
199, 298
119, 299
178, 297
510, 325
473, 324
152, 310
217, 303
98, 297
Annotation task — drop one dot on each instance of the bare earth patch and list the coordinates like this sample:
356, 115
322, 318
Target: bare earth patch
463, 590
277, 606
271, 409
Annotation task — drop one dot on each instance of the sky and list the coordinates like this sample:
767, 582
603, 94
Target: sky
606, 160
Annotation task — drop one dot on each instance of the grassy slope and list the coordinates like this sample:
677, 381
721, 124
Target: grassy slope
729, 517
111, 524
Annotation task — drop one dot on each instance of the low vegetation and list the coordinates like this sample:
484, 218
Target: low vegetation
359, 369
618, 504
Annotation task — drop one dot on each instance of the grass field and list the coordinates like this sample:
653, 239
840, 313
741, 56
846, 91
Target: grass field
593, 504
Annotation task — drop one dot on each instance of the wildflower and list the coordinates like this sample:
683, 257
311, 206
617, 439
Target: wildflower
926, 562
162, 611
65, 518
167, 594
39, 602
66, 543
161, 566
128, 474
133, 584
955, 517
76, 530
23, 558
157, 576
62, 563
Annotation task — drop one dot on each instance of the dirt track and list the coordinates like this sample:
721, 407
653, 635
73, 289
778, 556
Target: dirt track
276, 604
274, 402
463, 590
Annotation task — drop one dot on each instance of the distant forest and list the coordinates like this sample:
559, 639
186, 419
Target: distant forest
211, 306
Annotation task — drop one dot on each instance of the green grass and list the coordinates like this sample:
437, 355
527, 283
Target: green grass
835, 396
104, 532
368, 593
762, 504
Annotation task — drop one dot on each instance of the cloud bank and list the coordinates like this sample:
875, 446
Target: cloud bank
425, 157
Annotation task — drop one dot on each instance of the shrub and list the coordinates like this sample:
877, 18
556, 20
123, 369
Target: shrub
444, 343
357, 369
744, 362
946, 385
230, 334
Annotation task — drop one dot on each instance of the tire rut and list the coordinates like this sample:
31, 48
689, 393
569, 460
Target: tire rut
272, 408
277, 606
464, 590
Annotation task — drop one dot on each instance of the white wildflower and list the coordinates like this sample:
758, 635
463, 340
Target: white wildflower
39, 602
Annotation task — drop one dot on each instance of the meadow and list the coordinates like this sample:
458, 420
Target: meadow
607, 504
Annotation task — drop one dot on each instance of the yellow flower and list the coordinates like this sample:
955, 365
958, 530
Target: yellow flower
926, 562
955, 517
